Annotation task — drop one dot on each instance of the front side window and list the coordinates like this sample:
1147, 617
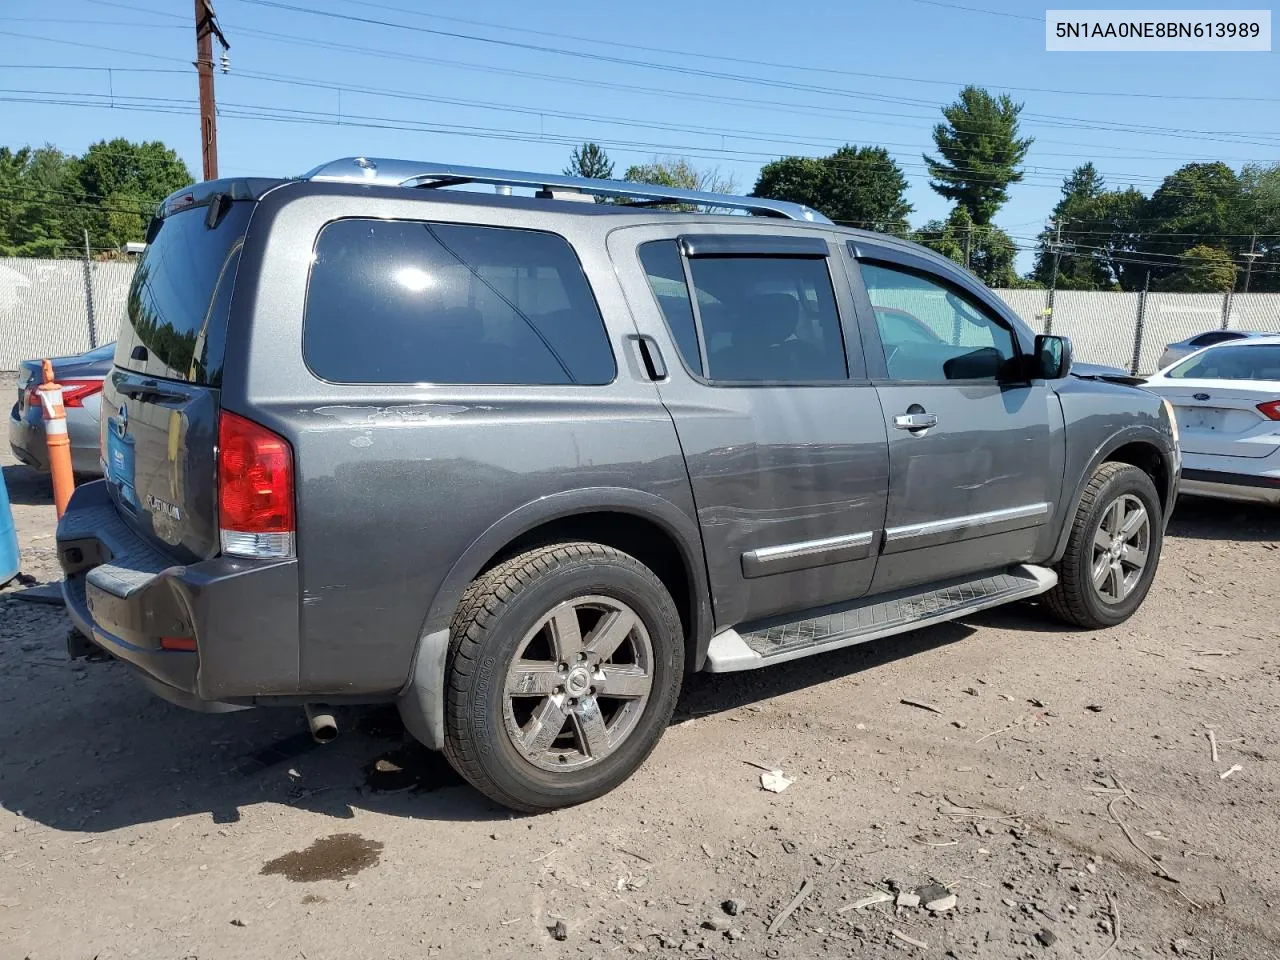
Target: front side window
932, 333
1235, 362
394, 301
763, 318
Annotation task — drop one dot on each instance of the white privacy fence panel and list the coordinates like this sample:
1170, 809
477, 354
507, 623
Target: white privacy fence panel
1027, 304
1255, 311
1102, 326
1171, 317
45, 306
110, 296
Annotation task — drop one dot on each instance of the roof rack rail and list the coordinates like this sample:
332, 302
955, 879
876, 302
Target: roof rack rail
417, 173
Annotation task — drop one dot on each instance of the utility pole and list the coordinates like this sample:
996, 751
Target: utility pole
206, 29
968, 240
1058, 248
1251, 256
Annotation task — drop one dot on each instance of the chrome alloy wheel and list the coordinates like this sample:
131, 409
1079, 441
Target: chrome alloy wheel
1120, 548
579, 683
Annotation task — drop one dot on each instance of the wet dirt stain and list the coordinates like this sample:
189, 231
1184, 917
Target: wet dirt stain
335, 857
410, 768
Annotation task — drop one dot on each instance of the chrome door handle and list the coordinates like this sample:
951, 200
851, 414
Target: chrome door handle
915, 421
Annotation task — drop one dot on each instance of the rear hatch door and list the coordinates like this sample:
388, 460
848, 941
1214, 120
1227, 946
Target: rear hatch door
161, 400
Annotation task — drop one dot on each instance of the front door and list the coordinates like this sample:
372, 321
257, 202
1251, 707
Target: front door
974, 463
782, 433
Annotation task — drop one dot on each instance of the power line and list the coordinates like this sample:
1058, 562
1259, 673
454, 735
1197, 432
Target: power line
254, 111
993, 13
1049, 120
96, 23
762, 81
807, 68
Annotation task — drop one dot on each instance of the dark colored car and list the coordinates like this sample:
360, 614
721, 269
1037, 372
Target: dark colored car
81, 377
520, 464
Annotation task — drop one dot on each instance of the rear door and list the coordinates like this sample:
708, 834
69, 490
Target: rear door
781, 431
974, 463
160, 401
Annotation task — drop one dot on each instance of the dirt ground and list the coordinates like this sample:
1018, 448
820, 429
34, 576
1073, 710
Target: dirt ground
1063, 790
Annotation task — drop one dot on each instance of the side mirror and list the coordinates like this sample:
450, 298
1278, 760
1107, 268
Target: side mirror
1052, 357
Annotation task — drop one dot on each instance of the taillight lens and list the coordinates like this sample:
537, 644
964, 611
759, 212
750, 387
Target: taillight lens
1270, 409
255, 489
76, 392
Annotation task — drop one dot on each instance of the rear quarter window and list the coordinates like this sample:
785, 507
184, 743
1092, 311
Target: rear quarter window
418, 302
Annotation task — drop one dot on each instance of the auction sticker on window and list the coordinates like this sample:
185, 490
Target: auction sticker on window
1158, 30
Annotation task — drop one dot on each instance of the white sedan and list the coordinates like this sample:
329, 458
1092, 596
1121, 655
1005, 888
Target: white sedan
1227, 400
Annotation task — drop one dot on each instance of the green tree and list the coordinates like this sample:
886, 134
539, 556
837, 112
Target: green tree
1260, 219
979, 152
590, 161
34, 201
679, 172
1080, 215
1197, 201
861, 186
1202, 269
988, 250
120, 183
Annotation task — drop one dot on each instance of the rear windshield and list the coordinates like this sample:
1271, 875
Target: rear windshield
176, 327
1235, 362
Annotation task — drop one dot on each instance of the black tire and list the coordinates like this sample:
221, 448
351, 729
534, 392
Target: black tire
1075, 599
496, 612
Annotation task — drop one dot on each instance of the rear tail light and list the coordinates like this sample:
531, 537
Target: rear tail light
1270, 409
76, 392
255, 489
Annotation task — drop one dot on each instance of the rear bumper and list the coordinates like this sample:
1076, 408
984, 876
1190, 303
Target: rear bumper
1223, 485
126, 595
1244, 479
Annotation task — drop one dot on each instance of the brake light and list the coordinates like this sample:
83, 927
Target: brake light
1270, 409
76, 392
255, 489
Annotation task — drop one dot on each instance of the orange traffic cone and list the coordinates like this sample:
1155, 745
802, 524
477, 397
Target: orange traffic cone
55, 434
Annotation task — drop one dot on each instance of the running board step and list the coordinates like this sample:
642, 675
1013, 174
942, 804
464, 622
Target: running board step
871, 618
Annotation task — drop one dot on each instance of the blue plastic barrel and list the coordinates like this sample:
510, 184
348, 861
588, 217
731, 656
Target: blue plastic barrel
10, 563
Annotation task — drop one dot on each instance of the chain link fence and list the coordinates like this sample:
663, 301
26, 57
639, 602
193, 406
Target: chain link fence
51, 308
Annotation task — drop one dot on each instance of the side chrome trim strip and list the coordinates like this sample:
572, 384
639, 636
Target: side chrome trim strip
764, 561
915, 535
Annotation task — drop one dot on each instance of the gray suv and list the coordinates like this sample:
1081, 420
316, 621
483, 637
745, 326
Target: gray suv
520, 463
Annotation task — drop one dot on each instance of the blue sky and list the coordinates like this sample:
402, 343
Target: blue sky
876, 73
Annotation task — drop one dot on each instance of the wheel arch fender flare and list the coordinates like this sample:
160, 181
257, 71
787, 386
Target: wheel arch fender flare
1134, 434
421, 700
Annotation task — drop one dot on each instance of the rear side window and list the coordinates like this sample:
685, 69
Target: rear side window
414, 302
176, 327
763, 318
